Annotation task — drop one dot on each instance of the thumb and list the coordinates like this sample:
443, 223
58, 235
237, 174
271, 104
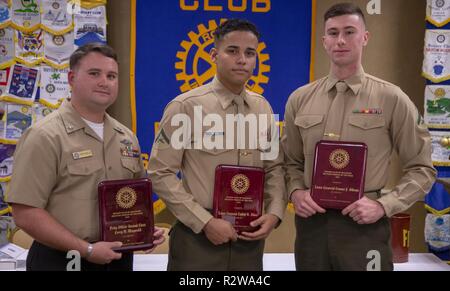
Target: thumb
257, 222
116, 245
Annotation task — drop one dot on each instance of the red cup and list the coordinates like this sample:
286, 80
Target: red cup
400, 224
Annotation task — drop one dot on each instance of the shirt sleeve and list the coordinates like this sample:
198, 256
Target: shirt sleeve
292, 144
412, 141
164, 166
275, 193
35, 169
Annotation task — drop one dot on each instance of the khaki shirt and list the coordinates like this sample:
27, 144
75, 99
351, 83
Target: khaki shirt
59, 162
191, 198
392, 122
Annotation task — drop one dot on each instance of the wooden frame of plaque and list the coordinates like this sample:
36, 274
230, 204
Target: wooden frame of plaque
339, 171
238, 195
126, 213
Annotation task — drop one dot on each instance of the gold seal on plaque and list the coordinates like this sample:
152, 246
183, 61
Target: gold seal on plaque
240, 183
339, 159
126, 198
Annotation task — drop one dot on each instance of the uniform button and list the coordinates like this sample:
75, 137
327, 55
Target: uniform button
110, 168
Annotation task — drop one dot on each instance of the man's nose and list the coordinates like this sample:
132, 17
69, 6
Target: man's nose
242, 59
341, 39
103, 81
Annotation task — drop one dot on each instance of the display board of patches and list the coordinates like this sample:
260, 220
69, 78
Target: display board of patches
436, 70
37, 38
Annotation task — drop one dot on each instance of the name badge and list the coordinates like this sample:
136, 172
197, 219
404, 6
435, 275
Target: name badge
82, 154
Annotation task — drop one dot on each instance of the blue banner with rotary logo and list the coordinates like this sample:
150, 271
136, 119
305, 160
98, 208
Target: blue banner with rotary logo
173, 40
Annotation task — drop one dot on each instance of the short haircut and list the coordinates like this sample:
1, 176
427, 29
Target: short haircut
343, 9
84, 50
234, 25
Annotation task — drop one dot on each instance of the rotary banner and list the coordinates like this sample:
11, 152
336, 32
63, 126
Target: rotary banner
438, 12
437, 106
436, 63
173, 40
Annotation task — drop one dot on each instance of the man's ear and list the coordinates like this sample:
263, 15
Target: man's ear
213, 54
366, 38
71, 77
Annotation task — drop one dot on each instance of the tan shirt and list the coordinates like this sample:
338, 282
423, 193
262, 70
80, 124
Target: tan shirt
59, 162
191, 198
390, 123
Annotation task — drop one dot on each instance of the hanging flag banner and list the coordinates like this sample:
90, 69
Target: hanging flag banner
54, 86
22, 85
25, 15
57, 49
55, 17
18, 119
440, 142
6, 161
40, 111
438, 12
437, 232
3, 205
5, 14
2, 121
7, 53
437, 106
4, 74
436, 63
174, 38
29, 47
89, 4
90, 25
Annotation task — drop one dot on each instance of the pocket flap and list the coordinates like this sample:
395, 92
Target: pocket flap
367, 122
307, 121
83, 167
131, 164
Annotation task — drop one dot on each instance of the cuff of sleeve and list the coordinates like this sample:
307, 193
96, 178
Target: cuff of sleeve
391, 205
277, 209
202, 218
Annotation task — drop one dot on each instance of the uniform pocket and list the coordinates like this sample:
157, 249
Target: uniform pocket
311, 131
367, 122
132, 164
371, 131
84, 167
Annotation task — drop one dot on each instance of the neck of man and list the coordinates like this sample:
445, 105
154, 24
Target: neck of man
345, 72
91, 114
234, 88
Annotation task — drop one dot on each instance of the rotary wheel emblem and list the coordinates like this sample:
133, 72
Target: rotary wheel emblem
126, 197
196, 67
339, 159
240, 184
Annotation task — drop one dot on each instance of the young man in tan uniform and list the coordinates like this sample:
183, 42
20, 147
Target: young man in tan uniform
198, 241
350, 105
59, 162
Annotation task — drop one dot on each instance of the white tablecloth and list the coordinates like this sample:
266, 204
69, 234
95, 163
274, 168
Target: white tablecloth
285, 262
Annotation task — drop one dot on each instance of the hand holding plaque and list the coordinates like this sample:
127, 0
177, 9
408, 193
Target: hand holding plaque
338, 173
238, 195
126, 213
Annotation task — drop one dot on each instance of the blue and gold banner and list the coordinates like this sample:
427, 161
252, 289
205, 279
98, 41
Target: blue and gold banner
172, 41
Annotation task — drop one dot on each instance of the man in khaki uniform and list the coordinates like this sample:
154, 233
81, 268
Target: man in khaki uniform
198, 241
350, 105
59, 162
